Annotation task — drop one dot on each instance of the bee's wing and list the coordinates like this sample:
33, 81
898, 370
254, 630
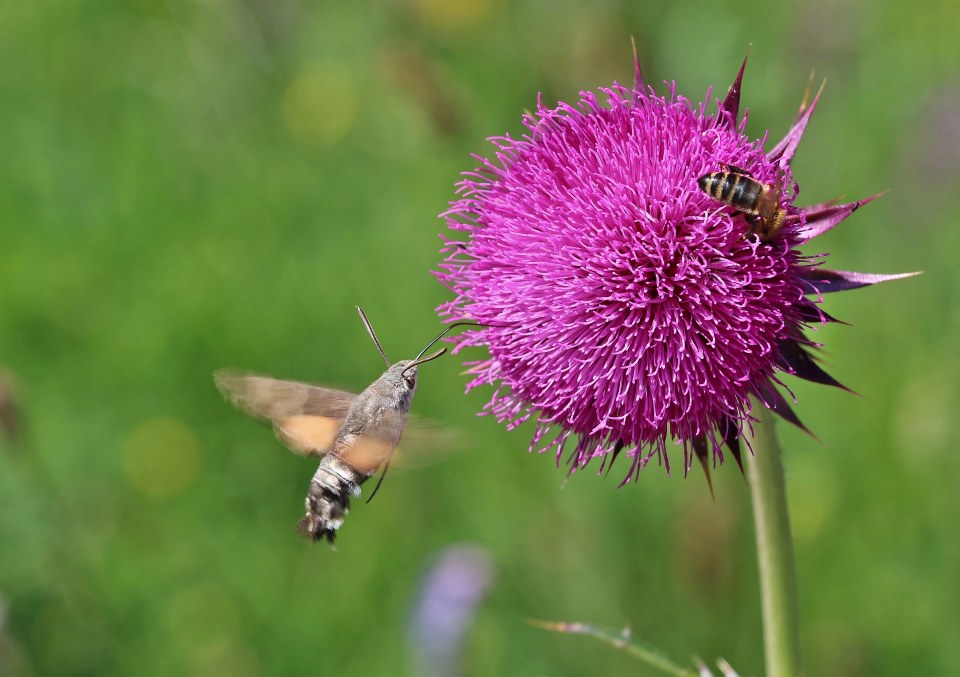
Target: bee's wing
305, 417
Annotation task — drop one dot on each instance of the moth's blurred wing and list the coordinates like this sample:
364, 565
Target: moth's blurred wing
272, 399
305, 417
368, 447
307, 435
417, 443
426, 442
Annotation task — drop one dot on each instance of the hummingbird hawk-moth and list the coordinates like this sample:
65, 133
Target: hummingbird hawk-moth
354, 435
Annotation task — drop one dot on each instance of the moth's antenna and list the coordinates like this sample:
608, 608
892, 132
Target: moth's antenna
373, 335
440, 336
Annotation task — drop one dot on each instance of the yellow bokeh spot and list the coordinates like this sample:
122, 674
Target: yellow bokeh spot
236, 659
320, 105
454, 15
814, 497
200, 617
924, 424
161, 457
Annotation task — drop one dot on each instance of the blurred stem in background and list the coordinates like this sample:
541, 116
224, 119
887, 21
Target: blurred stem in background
778, 586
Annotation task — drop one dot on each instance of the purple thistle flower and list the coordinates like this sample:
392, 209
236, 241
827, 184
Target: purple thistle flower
623, 304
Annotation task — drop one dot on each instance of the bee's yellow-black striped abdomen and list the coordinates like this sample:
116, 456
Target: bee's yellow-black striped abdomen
760, 202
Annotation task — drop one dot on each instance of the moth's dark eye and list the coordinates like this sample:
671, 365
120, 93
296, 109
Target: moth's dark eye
411, 381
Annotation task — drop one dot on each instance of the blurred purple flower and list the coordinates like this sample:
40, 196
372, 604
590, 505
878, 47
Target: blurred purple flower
449, 595
624, 305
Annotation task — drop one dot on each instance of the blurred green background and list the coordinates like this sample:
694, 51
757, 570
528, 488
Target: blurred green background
190, 185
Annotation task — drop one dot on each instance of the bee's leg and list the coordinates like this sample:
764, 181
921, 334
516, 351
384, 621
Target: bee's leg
753, 222
773, 225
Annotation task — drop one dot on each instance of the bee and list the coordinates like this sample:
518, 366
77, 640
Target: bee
759, 202
354, 435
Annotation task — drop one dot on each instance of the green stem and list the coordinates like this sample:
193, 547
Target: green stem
619, 640
778, 587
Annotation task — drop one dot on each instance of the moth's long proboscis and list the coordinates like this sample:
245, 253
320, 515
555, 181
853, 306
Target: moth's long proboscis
440, 336
419, 361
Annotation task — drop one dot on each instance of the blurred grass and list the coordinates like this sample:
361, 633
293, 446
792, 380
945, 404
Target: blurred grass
192, 185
